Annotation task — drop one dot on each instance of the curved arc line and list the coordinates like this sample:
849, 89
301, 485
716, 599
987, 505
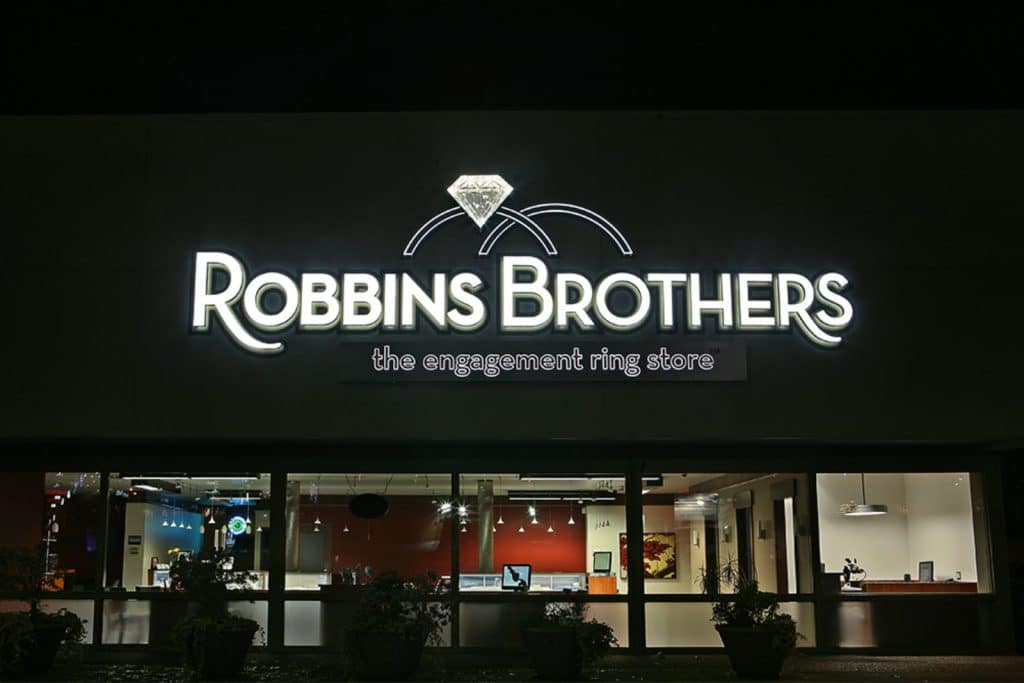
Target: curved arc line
569, 209
523, 218
519, 218
429, 227
586, 214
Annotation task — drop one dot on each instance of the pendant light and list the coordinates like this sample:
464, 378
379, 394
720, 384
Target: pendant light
863, 509
571, 522
522, 530
501, 520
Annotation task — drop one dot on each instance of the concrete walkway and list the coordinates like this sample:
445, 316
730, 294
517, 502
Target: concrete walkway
707, 668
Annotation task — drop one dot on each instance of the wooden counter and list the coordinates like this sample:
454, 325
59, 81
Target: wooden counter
882, 586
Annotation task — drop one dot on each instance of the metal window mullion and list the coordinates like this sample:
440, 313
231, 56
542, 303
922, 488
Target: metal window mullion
635, 558
101, 557
455, 569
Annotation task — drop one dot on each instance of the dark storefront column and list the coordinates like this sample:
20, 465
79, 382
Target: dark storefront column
275, 606
1003, 639
817, 581
455, 569
635, 558
102, 538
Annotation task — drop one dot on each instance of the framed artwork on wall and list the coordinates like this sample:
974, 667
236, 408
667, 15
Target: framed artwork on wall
926, 571
659, 555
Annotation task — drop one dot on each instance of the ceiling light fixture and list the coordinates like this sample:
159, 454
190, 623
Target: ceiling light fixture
578, 496
863, 509
652, 479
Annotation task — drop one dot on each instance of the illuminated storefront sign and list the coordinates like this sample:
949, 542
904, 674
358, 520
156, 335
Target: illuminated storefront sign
526, 295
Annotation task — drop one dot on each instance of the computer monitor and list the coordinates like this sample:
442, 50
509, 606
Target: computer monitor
602, 562
516, 577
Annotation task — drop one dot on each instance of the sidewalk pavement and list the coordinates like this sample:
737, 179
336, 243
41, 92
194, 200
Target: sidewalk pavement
690, 668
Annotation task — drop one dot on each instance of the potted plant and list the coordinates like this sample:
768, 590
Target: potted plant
213, 643
756, 635
562, 641
395, 619
31, 640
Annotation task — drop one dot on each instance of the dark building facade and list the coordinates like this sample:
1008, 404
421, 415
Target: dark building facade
537, 335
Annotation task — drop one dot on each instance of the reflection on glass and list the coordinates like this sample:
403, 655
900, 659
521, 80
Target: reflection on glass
155, 518
756, 521
344, 529
69, 538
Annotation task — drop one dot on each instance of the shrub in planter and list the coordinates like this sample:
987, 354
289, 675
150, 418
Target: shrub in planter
394, 620
31, 640
756, 635
213, 643
215, 646
563, 641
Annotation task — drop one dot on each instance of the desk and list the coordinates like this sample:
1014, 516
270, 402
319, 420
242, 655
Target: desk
602, 585
882, 586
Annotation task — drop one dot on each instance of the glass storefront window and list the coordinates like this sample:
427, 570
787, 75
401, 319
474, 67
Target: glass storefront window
344, 529
70, 530
902, 533
156, 517
555, 524
758, 521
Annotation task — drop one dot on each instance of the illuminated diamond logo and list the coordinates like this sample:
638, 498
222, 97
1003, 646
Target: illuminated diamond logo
480, 195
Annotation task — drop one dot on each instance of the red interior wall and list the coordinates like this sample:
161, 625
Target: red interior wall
565, 550
412, 539
21, 508
408, 539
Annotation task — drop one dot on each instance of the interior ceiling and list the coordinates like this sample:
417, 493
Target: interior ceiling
196, 484
405, 484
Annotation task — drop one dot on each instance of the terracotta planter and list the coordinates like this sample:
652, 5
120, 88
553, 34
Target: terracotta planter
383, 656
754, 653
555, 652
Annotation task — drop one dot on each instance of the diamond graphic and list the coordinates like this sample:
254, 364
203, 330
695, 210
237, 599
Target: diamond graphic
480, 195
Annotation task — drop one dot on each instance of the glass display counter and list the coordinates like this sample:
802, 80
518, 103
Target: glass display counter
539, 583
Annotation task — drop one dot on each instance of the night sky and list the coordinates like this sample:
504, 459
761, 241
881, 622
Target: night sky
391, 54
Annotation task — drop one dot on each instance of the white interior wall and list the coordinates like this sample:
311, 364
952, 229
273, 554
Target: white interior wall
879, 543
606, 522
930, 518
940, 525
764, 549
